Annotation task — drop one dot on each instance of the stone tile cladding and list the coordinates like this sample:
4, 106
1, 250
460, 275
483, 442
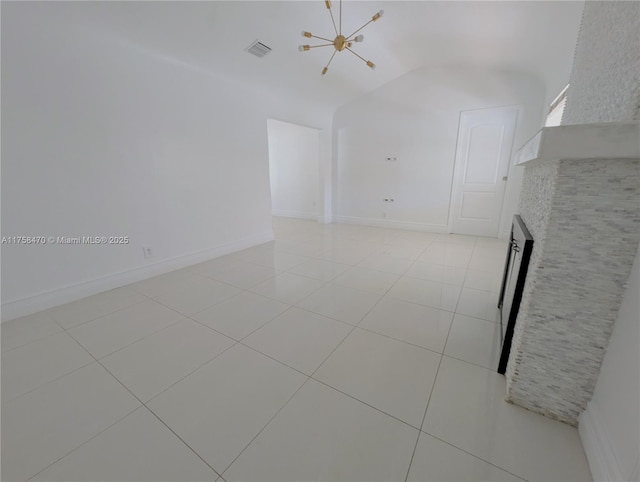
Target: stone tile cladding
585, 219
605, 79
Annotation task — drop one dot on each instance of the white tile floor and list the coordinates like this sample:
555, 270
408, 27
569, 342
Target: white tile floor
335, 353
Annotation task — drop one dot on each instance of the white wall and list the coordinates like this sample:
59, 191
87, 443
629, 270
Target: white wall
103, 138
294, 169
610, 427
415, 118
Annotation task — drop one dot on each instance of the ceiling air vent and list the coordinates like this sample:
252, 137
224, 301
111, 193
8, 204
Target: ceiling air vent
258, 49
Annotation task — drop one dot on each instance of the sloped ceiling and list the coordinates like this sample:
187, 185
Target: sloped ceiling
536, 37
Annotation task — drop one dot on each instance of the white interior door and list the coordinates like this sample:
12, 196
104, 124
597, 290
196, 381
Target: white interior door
485, 139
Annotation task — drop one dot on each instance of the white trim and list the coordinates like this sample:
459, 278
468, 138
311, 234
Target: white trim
603, 462
294, 214
48, 299
389, 223
559, 98
602, 141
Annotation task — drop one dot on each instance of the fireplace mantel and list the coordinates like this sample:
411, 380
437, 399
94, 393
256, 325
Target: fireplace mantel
615, 140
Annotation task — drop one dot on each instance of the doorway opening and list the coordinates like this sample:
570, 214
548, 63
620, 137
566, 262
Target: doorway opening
294, 169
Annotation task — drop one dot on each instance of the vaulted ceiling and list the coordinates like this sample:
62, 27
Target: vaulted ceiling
536, 37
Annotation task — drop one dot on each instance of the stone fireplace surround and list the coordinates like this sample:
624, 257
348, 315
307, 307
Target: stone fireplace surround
581, 202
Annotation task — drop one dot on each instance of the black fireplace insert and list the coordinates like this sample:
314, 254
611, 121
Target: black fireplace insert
515, 274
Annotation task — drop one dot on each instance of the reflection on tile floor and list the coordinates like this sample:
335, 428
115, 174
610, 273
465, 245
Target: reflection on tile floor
335, 353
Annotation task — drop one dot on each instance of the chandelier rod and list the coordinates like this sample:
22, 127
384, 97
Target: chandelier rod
324, 70
322, 38
328, 4
361, 58
349, 37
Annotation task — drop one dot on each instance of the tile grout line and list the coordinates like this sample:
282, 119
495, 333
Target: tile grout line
101, 431
331, 386
265, 426
48, 382
143, 404
433, 387
134, 342
324, 283
182, 318
404, 341
100, 316
32, 341
274, 359
473, 455
352, 330
193, 371
182, 440
249, 334
85, 442
466, 361
424, 416
366, 403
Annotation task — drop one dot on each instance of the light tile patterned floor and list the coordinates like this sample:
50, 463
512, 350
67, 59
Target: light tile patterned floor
334, 353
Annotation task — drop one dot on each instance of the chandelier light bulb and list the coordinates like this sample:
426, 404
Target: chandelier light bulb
306, 34
359, 38
378, 15
303, 48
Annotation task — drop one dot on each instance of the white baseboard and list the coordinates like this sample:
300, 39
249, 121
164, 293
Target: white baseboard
294, 214
390, 223
49, 299
603, 462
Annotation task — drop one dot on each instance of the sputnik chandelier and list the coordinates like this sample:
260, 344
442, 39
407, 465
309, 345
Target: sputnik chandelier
341, 42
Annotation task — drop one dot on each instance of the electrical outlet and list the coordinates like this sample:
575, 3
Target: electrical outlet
148, 253
391, 159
